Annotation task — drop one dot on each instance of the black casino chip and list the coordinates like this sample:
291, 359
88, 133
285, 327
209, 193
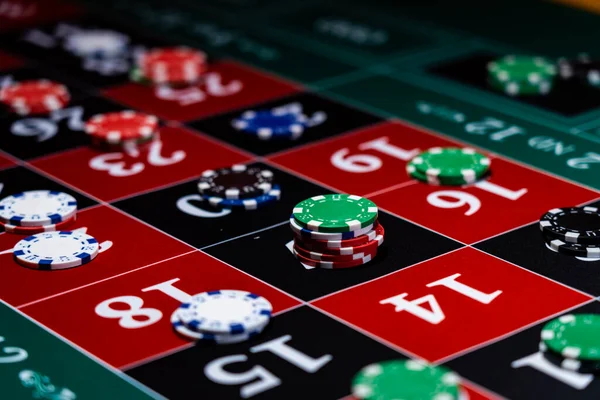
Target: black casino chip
583, 68
237, 182
572, 225
573, 249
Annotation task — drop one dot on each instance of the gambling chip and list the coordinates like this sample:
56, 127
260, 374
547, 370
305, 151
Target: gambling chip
173, 65
310, 234
124, 145
449, 166
355, 261
574, 336
580, 225
316, 256
35, 97
353, 236
412, 171
407, 380
252, 203
96, 43
32, 230
583, 68
340, 257
573, 249
37, 208
117, 127
336, 245
522, 75
582, 367
267, 125
231, 312
366, 244
191, 334
335, 213
56, 250
237, 182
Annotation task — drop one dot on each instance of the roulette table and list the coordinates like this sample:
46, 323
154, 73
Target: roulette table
257, 199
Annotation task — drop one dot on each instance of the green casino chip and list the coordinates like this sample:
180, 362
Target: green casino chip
406, 380
414, 173
522, 75
451, 165
574, 336
335, 213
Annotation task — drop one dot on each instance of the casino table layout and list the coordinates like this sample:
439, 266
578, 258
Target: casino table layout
464, 279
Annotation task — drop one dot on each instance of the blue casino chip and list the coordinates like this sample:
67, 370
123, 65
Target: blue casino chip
271, 124
248, 204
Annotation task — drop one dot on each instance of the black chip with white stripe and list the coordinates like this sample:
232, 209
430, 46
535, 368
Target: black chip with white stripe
575, 225
237, 182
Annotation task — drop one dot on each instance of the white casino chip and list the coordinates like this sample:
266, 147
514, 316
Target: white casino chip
97, 43
37, 208
226, 311
226, 338
56, 250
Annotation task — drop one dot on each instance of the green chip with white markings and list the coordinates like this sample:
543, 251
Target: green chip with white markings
335, 213
574, 336
414, 173
522, 75
452, 164
406, 380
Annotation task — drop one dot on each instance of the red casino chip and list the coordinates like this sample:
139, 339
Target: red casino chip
117, 127
327, 257
35, 97
361, 244
173, 65
330, 246
334, 264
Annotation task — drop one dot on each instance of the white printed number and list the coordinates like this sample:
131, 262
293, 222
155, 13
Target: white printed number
114, 164
46, 128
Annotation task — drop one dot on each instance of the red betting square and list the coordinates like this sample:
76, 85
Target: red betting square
5, 162
474, 393
180, 155
100, 316
512, 196
8, 61
225, 87
130, 241
363, 162
18, 14
480, 299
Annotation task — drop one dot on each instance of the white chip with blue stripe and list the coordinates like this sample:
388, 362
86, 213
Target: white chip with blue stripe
56, 250
37, 208
231, 312
225, 338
